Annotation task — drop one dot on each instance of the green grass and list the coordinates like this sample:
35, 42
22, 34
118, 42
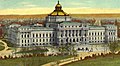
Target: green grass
34, 51
1, 43
1, 48
8, 43
33, 61
100, 61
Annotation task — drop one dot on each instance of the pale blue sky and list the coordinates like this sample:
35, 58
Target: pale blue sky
13, 4
69, 6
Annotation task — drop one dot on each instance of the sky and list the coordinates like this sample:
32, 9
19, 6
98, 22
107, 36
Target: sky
70, 6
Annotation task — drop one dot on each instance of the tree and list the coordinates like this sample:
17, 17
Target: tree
113, 47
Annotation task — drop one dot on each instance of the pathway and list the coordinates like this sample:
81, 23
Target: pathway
74, 59
5, 51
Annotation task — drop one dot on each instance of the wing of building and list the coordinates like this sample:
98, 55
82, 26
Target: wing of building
59, 29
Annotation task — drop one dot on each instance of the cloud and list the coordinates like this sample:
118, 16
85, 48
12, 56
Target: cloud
28, 4
41, 10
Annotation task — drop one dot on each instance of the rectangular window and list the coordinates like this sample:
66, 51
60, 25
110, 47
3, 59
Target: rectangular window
33, 40
36, 35
22, 35
46, 35
40, 35
22, 41
36, 40
28, 41
89, 33
39, 40
25, 41
28, 36
43, 40
33, 35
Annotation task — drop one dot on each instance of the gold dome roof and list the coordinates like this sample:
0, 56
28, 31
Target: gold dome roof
58, 11
58, 5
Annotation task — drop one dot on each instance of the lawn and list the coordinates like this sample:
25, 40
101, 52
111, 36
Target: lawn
1, 47
33, 61
1, 43
33, 51
99, 61
8, 43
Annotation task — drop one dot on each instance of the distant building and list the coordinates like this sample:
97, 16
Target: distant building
59, 29
1, 30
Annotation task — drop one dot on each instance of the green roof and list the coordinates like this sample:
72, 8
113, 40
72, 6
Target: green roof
70, 23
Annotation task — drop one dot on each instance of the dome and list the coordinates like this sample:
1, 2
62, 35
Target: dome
58, 11
58, 6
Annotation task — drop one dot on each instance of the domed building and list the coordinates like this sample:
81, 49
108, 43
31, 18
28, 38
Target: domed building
58, 15
59, 29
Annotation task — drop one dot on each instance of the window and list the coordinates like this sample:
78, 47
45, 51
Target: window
53, 35
28, 36
25, 35
89, 33
36, 35
39, 40
73, 40
33, 40
43, 35
33, 35
77, 39
40, 44
92, 33
40, 35
50, 35
53, 39
73, 34
70, 40
67, 40
66, 35
46, 40
61, 35
101, 33
22, 36
22, 41
46, 35
80, 39
69, 35
28, 41
36, 40
25, 41
76, 34
95, 33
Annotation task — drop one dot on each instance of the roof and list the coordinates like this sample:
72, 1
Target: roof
58, 11
34, 28
70, 23
96, 27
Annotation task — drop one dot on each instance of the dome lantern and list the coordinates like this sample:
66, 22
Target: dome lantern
58, 6
58, 11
